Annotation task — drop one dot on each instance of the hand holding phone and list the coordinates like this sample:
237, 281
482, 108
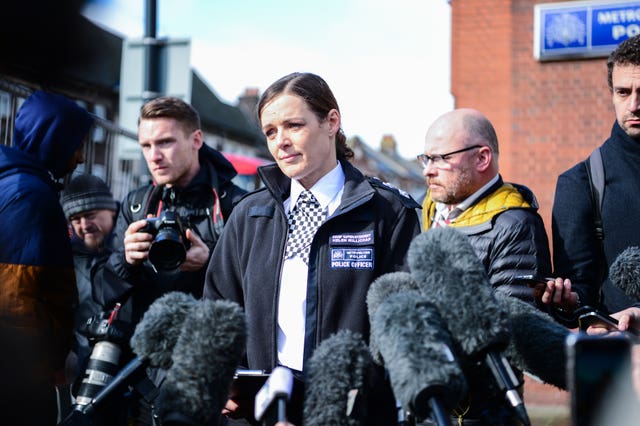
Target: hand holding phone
596, 318
588, 316
532, 280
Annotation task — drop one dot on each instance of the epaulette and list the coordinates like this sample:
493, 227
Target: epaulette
404, 196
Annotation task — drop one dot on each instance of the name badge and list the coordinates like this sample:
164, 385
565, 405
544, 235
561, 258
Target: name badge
352, 251
358, 239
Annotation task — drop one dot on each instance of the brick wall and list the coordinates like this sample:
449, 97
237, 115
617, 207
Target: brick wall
548, 115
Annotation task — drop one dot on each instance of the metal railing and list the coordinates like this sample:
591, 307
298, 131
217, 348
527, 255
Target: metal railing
101, 159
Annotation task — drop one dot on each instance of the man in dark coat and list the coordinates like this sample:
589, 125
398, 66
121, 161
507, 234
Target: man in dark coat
579, 257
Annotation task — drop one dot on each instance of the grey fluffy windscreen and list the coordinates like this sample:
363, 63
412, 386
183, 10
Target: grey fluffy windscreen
157, 332
625, 272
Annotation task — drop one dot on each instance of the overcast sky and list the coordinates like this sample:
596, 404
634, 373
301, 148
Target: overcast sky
387, 62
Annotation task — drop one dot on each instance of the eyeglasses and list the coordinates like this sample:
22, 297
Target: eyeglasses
440, 159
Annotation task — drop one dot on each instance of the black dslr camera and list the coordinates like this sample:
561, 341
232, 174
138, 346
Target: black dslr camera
169, 247
107, 335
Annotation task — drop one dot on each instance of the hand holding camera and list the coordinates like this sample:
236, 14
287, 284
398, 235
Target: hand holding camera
166, 242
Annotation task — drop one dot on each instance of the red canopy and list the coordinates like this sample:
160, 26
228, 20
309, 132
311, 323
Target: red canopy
244, 164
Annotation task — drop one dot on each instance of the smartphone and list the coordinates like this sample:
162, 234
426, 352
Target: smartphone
596, 317
598, 377
532, 280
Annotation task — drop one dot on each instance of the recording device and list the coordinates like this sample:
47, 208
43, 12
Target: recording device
271, 400
337, 386
170, 244
152, 342
106, 335
415, 346
447, 270
379, 291
599, 377
210, 345
625, 272
537, 343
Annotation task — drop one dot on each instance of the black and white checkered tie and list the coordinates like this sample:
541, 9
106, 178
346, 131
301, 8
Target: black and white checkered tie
304, 220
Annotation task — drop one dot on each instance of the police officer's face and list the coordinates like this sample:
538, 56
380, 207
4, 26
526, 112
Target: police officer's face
626, 98
303, 146
170, 151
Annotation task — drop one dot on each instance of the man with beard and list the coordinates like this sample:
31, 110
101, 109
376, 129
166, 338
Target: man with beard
89, 206
466, 191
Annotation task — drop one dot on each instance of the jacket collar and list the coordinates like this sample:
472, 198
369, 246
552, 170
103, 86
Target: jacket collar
356, 187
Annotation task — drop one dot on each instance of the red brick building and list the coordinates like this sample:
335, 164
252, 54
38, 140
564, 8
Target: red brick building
548, 115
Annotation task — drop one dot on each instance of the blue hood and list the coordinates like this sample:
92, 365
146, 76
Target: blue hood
50, 127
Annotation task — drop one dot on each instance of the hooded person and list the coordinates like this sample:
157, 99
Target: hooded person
37, 281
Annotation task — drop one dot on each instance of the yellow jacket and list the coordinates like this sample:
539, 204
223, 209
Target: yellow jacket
504, 198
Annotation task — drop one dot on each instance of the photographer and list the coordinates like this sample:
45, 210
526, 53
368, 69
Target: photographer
191, 196
191, 180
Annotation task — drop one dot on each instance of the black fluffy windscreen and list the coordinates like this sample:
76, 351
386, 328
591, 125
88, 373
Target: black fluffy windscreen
210, 347
537, 343
379, 291
449, 274
416, 348
157, 332
340, 363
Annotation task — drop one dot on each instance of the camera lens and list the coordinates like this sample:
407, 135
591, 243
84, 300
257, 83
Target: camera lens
167, 251
102, 366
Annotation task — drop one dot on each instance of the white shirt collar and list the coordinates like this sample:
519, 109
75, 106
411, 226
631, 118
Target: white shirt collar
325, 190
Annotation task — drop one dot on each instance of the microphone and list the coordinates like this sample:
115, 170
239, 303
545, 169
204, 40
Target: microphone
624, 272
159, 329
537, 343
153, 341
210, 346
271, 399
335, 390
415, 346
447, 270
379, 291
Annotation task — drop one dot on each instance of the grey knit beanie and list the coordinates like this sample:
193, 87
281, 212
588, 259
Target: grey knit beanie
86, 192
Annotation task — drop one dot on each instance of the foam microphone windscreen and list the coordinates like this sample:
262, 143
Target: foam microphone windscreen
537, 343
338, 368
379, 291
624, 272
447, 270
209, 348
416, 348
157, 332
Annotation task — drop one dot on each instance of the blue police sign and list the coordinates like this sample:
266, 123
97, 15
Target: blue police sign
582, 29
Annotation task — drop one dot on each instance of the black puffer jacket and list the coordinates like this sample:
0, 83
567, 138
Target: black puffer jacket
506, 233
